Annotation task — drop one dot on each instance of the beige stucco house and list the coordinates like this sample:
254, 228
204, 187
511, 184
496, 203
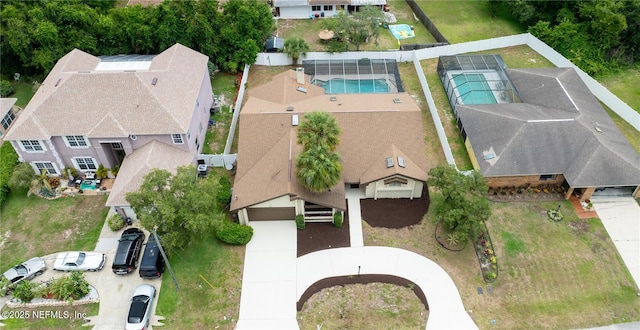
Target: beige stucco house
381, 146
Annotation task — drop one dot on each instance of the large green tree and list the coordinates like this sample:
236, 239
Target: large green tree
318, 169
462, 206
180, 207
319, 128
358, 28
318, 166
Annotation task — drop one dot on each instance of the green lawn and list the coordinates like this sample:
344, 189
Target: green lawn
562, 275
33, 227
23, 92
210, 278
462, 21
625, 85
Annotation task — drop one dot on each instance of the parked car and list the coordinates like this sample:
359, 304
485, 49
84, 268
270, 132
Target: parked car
140, 309
77, 260
129, 247
24, 271
152, 263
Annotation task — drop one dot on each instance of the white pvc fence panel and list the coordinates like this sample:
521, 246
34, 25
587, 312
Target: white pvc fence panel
225, 161
236, 110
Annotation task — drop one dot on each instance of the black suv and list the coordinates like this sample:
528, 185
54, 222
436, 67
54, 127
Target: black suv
129, 247
152, 264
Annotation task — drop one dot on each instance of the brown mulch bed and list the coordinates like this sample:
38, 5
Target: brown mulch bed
395, 213
318, 236
360, 279
526, 197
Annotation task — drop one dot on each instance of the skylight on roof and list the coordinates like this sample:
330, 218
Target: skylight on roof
389, 162
401, 162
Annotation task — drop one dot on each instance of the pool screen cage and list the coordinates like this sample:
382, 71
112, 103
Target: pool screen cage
476, 79
323, 71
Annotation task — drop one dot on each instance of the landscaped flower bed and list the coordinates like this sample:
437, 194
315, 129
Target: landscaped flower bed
486, 257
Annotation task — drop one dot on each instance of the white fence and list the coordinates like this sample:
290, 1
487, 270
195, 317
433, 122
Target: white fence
603, 94
226, 160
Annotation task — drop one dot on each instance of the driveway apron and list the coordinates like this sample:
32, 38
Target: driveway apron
621, 218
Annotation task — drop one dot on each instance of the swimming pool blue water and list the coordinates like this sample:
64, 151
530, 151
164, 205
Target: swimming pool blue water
473, 89
348, 86
88, 185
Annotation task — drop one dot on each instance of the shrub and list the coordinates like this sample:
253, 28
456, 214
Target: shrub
102, 172
54, 182
72, 287
5, 88
224, 192
8, 160
300, 221
337, 219
234, 234
25, 291
115, 222
115, 170
66, 170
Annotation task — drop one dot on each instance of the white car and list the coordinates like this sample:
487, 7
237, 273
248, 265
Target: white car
77, 260
25, 271
140, 309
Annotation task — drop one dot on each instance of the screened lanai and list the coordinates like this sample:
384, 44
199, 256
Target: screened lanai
476, 79
363, 76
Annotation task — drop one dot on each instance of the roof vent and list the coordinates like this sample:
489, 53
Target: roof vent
489, 156
301, 89
154, 81
397, 101
294, 120
333, 98
389, 162
57, 82
401, 162
300, 76
289, 108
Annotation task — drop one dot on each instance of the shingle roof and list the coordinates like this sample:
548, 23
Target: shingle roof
153, 155
559, 128
373, 127
6, 104
75, 99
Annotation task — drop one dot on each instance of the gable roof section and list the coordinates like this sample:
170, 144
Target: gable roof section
560, 128
379, 169
372, 126
75, 99
139, 163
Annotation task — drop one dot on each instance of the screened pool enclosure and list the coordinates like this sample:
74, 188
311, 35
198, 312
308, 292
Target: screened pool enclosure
362, 76
476, 79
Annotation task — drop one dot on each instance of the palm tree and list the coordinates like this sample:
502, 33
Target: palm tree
319, 129
318, 169
295, 47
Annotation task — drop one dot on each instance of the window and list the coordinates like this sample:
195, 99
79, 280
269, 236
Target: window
177, 138
328, 8
45, 166
85, 163
189, 132
8, 119
116, 146
31, 146
316, 8
395, 182
546, 177
76, 141
197, 144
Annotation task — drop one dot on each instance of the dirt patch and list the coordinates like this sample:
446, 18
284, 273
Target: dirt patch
323, 235
395, 213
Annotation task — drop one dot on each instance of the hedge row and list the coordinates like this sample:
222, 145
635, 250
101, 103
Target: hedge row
8, 160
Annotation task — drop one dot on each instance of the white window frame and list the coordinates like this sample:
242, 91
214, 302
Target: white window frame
32, 146
189, 133
177, 138
85, 163
52, 169
78, 140
8, 119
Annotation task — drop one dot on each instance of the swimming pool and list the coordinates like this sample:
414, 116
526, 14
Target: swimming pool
473, 89
88, 185
354, 86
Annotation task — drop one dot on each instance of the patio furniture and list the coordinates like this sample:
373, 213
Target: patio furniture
90, 175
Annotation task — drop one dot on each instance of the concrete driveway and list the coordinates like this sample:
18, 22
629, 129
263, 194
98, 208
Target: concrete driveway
116, 290
621, 218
